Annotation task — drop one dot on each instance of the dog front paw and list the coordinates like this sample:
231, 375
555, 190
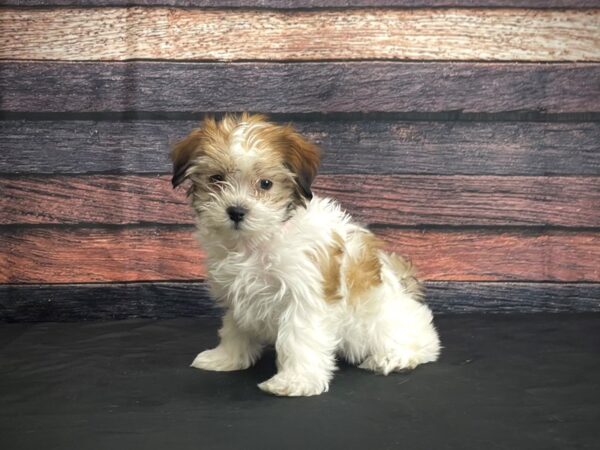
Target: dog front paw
385, 364
289, 385
219, 360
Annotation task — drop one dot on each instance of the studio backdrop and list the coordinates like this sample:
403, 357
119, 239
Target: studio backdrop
467, 136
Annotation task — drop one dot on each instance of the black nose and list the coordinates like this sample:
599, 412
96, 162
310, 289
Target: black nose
236, 213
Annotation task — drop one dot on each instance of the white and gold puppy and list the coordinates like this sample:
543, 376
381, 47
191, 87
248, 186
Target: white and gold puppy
291, 269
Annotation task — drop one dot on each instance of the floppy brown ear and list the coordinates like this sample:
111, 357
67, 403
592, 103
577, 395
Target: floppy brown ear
183, 154
302, 158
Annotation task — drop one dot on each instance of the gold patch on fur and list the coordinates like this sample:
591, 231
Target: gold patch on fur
210, 140
282, 150
405, 271
330, 263
363, 270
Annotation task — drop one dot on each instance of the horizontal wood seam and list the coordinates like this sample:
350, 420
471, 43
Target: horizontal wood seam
202, 281
523, 116
525, 230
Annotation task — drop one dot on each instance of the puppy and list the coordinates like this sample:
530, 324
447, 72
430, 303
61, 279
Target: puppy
292, 269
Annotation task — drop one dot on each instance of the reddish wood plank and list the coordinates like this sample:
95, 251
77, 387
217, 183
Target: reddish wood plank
146, 254
497, 256
383, 199
92, 255
111, 199
454, 34
467, 200
325, 87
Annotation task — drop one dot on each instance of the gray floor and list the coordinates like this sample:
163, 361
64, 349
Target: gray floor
503, 382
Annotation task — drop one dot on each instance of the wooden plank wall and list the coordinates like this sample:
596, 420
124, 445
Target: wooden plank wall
465, 132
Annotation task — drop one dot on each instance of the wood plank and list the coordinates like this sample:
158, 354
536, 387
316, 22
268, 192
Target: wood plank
75, 302
82, 255
302, 4
487, 255
374, 199
502, 297
117, 34
94, 199
365, 146
458, 200
98, 255
323, 87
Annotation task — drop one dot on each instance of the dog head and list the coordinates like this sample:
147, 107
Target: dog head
248, 176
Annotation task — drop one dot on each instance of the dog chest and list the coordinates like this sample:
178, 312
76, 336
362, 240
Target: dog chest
254, 294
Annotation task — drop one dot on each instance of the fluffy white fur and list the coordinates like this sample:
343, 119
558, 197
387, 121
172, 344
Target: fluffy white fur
265, 276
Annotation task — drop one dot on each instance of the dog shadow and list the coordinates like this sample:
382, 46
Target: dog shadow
241, 385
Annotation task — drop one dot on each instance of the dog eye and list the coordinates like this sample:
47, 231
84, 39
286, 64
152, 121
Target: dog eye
216, 178
266, 184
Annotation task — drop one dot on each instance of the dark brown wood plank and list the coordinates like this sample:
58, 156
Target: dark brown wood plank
366, 146
449, 34
374, 199
74, 302
299, 88
301, 4
502, 297
153, 254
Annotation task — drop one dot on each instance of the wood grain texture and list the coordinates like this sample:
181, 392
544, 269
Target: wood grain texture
503, 297
153, 254
75, 302
366, 146
301, 4
498, 256
100, 199
299, 88
458, 200
116, 34
374, 199
98, 255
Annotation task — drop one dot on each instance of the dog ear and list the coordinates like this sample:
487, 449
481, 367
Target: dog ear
183, 154
302, 158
